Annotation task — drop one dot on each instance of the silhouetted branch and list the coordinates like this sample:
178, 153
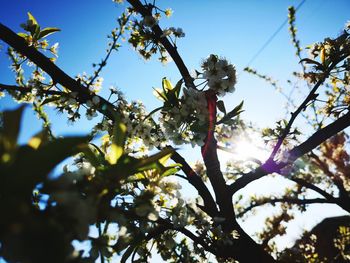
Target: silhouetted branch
311, 186
212, 164
271, 166
343, 200
335, 179
312, 95
197, 182
286, 200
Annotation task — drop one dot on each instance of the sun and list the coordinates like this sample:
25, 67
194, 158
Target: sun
245, 147
248, 149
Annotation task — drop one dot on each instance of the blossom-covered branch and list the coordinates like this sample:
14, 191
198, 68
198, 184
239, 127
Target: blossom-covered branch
123, 20
29, 89
60, 77
171, 49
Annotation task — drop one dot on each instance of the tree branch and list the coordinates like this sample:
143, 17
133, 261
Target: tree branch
271, 166
342, 200
289, 201
58, 76
21, 46
187, 233
312, 95
336, 179
167, 225
211, 161
320, 136
106, 108
302, 106
30, 89
171, 49
223, 197
110, 49
197, 182
193, 178
311, 186
155, 232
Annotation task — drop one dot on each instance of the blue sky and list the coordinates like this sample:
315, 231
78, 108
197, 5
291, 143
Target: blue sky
234, 29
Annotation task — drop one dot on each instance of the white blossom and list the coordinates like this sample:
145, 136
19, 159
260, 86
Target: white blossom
149, 21
95, 100
221, 75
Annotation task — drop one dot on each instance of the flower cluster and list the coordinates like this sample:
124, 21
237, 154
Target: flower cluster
180, 215
186, 122
92, 105
134, 117
329, 50
347, 26
81, 211
94, 83
149, 21
177, 32
142, 132
221, 75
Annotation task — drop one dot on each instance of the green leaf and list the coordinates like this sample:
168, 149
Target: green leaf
24, 35
128, 165
119, 137
155, 157
32, 19
177, 88
39, 139
32, 26
236, 111
170, 171
310, 61
11, 128
31, 166
36, 32
159, 94
143, 164
172, 94
164, 159
229, 122
48, 31
221, 106
167, 86
44, 159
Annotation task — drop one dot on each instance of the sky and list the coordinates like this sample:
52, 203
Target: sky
233, 29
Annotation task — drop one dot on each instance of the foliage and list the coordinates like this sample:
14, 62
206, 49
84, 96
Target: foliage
119, 182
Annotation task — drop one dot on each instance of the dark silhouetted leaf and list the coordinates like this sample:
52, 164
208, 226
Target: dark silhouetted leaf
221, 106
236, 111
11, 127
